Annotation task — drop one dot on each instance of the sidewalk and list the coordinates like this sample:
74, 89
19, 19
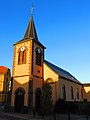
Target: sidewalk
37, 117
23, 116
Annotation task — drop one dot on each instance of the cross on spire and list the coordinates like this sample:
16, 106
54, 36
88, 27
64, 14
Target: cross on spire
32, 8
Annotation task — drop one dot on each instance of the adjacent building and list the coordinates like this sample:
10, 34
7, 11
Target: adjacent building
5, 77
86, 92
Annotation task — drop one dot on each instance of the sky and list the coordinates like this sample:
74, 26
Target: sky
63, 27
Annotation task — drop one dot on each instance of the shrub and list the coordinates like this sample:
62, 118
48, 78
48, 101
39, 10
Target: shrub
46, 106
62, 106
24, 110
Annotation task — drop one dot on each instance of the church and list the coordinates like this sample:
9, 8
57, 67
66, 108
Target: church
30, 71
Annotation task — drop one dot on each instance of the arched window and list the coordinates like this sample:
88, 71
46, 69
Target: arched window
77, 92
50, 81
19, 92
72, 96
38, 56
64, 92
22, 56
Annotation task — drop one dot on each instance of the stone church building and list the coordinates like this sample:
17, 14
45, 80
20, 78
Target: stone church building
30, 71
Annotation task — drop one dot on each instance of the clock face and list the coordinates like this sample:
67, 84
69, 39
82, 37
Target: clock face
22, 48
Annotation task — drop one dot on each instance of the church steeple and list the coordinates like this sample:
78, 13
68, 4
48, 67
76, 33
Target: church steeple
31, 31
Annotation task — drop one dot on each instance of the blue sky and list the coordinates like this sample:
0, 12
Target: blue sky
63, 26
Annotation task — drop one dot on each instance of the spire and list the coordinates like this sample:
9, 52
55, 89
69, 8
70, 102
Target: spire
31, 31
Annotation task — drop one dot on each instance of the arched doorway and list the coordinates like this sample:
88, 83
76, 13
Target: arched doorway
19, 100
37, 99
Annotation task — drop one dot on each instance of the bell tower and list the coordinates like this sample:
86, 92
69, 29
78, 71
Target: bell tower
27, 71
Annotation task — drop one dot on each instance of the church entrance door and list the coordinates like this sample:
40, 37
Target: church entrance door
37, 99
19, 101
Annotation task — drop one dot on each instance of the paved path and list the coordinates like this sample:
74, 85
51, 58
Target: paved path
5, 117
83, 118
16, 116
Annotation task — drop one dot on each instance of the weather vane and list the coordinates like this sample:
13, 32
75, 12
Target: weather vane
32, 8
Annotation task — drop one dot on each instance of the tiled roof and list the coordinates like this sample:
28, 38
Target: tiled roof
3, 69
62, 72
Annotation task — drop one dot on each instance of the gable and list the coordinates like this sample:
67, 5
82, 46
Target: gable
49, 73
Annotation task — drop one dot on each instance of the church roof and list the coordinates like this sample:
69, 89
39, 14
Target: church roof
61, 72
30, 33
3, 69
